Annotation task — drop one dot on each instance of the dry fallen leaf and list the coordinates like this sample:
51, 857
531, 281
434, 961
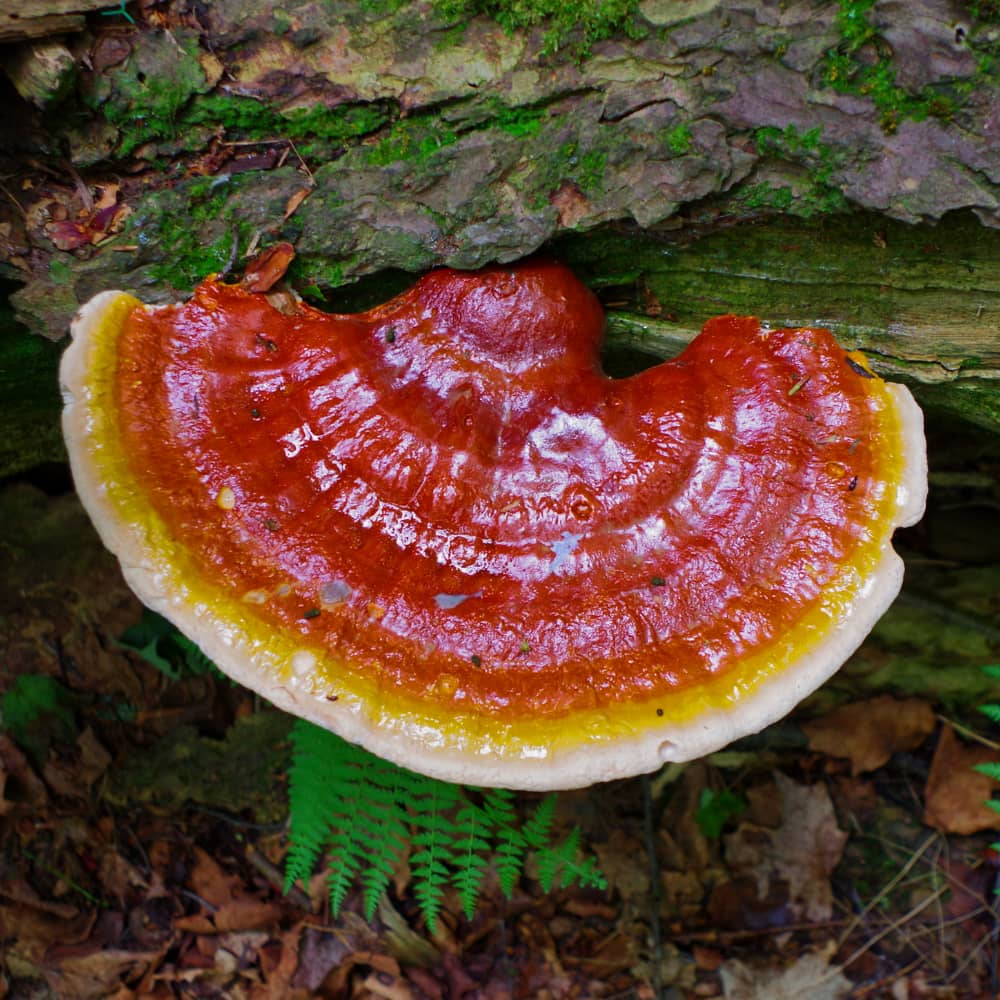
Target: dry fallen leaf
29, 933
96, 973
571, 204
296, 199
624, 864
20, 891
870, 732
209, 881
803, 850
14, 768
955, 796
278, 977
268, 267
810, 976
233, 908
109, 50
74, 777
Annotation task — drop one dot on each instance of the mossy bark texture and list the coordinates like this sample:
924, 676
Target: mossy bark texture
810, 162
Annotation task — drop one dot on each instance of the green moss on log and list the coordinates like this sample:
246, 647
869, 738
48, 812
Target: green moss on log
161, 95
566, 24
862, 65
923, 301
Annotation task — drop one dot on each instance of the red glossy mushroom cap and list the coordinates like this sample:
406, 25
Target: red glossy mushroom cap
439, 530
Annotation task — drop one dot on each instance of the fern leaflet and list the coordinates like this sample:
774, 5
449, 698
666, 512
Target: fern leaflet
537, 829
367, 813
551, 860
195, 660
472, 826
510, 846
308, 801
386, 837
430, 864
990, 769
561, 860
992, 712
347, 852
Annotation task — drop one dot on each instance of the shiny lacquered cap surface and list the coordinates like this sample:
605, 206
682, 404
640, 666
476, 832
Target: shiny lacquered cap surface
440, 530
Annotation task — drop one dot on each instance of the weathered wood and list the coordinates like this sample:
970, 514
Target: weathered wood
923, 302
41, 71
25, 19
12, 29
424, 138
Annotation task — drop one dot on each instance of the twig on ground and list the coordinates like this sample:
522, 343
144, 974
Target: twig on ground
895, 925
879, 896
885, 981
969, 733
275, 878
654, 887
17, 204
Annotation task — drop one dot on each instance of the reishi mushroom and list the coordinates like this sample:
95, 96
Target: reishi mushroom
439, 530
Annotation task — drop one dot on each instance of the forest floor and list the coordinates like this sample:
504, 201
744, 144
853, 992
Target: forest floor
143, 834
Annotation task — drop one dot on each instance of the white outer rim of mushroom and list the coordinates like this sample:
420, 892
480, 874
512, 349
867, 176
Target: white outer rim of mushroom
770, 700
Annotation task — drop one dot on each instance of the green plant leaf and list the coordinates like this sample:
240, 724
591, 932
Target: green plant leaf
510, 843
314, 753
158, 642
386, 834
992, 712
536, 831
366, 814
991, 769
434, 836
144, 640
716, 809
195, 661
470, 850
36, 708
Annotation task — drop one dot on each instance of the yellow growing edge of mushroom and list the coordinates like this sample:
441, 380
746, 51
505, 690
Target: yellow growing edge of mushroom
570, 751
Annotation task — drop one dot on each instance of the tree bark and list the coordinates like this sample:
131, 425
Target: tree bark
811, 162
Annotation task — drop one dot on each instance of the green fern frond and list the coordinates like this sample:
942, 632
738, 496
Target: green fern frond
159, 643
562, 860
471, 846
386, 837
367, 813
991, 769
347, 855
195, 660
584, 873
498, 803
435, 833
309, 805
552, 859
537, 829
510, 844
